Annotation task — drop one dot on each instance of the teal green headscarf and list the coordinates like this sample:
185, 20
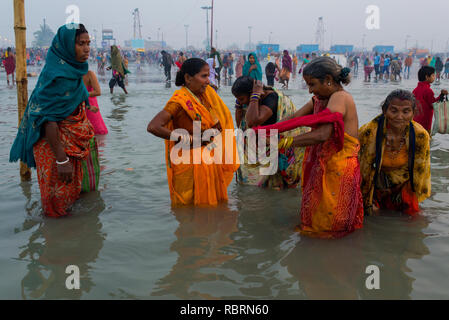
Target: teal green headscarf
255, 73
59, 90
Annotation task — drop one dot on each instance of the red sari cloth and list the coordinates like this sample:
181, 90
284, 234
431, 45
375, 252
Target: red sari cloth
332, 204
75, 133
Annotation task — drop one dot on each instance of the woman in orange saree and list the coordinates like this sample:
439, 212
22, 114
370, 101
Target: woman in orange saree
192, 179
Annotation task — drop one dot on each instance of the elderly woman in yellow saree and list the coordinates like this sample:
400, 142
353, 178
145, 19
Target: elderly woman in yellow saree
395, 157
257, 105
191, 180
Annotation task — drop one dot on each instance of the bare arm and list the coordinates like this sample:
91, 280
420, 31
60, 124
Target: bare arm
304, 111
95, 85
337, 103
157, 125
52, 135
239, 114
256, 115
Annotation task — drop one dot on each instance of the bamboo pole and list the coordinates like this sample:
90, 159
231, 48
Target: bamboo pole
21, 70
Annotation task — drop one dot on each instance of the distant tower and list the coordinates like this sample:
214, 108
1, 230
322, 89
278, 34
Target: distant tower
319, 36
137, 25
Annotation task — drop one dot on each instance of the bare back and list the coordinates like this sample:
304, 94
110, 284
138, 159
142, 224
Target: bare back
342, 101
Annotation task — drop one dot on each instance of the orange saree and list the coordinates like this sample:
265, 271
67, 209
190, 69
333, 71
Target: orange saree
202, 183
332, 204
75, 133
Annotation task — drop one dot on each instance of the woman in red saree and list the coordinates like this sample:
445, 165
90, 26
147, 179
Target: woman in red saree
332, 204
54, 134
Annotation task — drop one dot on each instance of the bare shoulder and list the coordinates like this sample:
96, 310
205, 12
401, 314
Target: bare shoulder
341, 101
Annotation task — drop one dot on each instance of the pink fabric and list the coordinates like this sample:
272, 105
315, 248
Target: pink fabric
322, 117
95, 118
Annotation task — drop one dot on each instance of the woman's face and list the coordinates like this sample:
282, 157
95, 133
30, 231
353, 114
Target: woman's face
251, 59
399, 113
243, 99
199, 82
317, 88
82, 47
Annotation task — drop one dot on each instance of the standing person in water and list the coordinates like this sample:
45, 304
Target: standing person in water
295, 65
9, 61
332, 204
257, 105
55, 134
252, 67
425, 97
239, 66
93, 87
118, 70
167, 63
203, 183
446, 69
408, 64
286, 69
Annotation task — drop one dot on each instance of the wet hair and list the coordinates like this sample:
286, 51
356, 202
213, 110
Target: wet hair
244, 86
425, 72
191, 67
323, 66
181, 53
81, 29
400, 94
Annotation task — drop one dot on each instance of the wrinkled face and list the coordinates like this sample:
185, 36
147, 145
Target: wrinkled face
319, 89
243, 99
199, 82
82, 47
399, 113
251, 59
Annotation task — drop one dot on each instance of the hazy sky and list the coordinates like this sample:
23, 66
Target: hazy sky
291, 21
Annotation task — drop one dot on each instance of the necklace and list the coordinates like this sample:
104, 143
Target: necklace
395, 152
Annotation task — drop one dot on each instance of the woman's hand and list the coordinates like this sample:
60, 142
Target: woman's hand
65, 172
258, 87
253, 66
93, 109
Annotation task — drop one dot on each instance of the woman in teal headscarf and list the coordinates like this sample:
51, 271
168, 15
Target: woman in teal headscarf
252, 67
54, 135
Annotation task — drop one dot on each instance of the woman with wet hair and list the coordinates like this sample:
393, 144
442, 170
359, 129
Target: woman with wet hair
395, 157
257, 105
332, 203
55, 134
196, 181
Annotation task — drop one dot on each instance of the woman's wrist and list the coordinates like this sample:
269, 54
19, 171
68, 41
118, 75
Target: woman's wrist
255, 97
60, 163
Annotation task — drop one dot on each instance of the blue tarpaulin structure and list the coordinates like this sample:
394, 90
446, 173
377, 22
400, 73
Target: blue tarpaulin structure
341, 49
307, 48
264, 49
384, 49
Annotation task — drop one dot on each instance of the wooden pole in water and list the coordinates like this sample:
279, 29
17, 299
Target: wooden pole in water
21, 70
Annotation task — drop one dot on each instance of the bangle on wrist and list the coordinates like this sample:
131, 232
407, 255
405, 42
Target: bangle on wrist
63, 162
